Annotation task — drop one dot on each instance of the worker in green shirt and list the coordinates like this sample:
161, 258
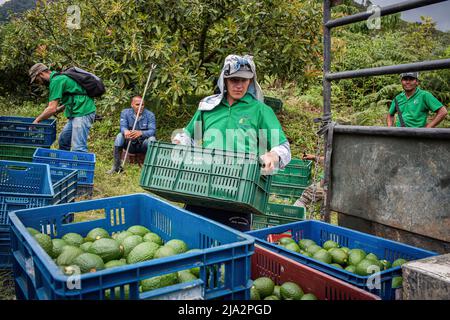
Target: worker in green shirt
236, 119
66, 94
414, 104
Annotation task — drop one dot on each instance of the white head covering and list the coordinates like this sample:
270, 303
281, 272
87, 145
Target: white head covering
231, 65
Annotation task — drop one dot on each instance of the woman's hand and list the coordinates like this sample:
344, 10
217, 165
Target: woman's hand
270, 162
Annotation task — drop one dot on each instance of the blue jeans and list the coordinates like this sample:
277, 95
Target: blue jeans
75, 133
121, 142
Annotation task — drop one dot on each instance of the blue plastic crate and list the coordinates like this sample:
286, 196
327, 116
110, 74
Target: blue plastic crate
64, 184
28, 185
23, 185
321, 232
38, 277
86, 190
82, 161
21, 130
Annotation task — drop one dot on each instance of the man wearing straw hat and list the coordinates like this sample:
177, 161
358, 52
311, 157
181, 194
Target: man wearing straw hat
66, 94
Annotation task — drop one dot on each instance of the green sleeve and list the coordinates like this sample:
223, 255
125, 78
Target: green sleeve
432, 103
191, 125
269, 123
392, 110
56, 89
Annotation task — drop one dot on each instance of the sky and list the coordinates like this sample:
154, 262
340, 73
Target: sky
439, 12
3, 1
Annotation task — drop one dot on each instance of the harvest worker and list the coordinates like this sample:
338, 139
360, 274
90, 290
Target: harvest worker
236, 119
66, 93
144, 131
414, 104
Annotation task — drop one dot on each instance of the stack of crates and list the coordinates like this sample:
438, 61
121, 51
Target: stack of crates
26, 185
286, 187
83, 162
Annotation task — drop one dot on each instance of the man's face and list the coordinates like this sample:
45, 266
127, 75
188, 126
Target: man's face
42, 79
409, 83
237, 87
135, 104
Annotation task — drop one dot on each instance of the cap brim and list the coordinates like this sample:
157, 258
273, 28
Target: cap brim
240, 74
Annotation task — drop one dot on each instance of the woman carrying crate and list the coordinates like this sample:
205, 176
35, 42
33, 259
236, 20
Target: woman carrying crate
236, 119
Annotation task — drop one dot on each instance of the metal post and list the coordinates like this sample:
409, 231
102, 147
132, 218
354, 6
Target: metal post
326, 100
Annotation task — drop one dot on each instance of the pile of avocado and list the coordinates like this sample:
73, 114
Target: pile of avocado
265, 289
75, 254
352, 260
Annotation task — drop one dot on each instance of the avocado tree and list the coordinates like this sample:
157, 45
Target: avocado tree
187, 39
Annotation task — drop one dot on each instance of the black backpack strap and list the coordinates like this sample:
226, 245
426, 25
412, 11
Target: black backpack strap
402, 123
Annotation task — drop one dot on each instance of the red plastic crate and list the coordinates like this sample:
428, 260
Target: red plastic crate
266, 263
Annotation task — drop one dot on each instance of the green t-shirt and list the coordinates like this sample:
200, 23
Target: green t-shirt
415, 108
247, 126
77, 105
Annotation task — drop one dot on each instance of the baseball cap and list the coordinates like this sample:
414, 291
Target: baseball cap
244, 72
35, 70
410, 74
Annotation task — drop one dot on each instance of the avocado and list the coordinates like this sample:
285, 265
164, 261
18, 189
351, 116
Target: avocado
73, 239
107, 249
366, 267
122, 236
159, 281
355, 256
114, 263
178, 245
142, 252
164, 251
254, 294
305, 243
330, 244
68, 254
46, 243
323, 256
138, 230
58, 245
293, 247
265, 286
88, 262
185, 276
153, 237
96, 234
130, 243
291, 291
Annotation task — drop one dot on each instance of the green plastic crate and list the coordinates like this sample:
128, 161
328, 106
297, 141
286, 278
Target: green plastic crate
275, 103
285, 211
262, 222
297, 172
13, 152
286, 190
207, 177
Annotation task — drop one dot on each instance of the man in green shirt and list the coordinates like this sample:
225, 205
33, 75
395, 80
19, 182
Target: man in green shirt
236, 119
66, 94
415, 104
